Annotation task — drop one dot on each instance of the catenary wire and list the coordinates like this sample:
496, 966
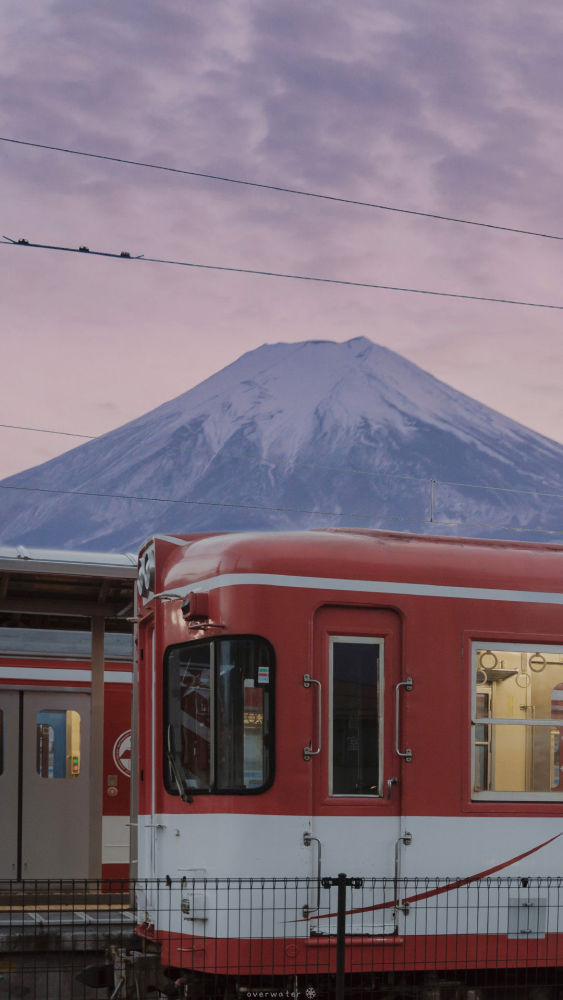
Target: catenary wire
197, 503
283, 510
332, 468
297, 465
7, 241
44, 430
425, 479
284, 190
500, 489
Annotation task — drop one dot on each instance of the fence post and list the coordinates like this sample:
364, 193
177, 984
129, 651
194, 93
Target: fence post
342, 881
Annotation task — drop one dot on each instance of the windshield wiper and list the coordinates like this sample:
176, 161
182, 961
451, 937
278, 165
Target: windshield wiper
177, 772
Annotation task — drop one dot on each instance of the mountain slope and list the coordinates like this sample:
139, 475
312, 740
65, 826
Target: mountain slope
346, 429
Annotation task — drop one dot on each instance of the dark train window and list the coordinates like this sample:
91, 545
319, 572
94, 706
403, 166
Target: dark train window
218, 716
356, 665
517, 721
1, 741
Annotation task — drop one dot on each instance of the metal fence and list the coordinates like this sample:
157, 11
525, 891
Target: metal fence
301, 939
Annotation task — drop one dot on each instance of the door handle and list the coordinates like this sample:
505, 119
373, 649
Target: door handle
390, 783
308, 751
408, 686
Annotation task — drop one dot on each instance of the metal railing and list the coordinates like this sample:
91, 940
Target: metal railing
261, 938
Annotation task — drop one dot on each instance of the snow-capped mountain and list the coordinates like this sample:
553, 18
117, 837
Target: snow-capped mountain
297, 435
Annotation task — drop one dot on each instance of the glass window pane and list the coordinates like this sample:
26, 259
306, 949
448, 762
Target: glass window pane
520, 681
524, 759
1, 741
218, 706
483, 705
58, 743
523, 685
481, 768
355, 717
243, 699
189, 715
482, 712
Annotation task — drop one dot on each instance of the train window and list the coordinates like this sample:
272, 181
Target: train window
356, 665
218, 716
58, 744
482, 742
1, 741
242, 714
517, 721
188, 725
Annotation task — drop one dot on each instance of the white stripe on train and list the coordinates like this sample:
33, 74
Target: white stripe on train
362, 586
17, 673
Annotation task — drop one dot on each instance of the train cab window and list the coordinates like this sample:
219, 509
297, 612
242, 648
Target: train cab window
58, 744
218, 716
517, 722
356, 666
188, 726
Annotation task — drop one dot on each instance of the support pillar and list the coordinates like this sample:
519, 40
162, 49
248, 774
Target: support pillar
97, 747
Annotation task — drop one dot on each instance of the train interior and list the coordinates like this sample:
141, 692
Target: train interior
518, 720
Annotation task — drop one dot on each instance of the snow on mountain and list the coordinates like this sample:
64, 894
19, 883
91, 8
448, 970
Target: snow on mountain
349, 431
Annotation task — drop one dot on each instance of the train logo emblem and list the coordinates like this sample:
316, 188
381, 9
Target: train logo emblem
122, 753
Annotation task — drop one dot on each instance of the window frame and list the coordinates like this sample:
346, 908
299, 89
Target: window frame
270, 736
367, 640
491, 721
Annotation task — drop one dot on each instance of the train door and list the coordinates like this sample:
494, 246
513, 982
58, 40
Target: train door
356, 770
44, 822
145, 723
9, 781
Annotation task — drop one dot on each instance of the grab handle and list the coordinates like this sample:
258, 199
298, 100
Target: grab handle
408, 686
308, 751
307, 841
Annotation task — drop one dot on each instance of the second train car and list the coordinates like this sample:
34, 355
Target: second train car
44, 754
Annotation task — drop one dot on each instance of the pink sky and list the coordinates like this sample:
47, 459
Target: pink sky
450, 108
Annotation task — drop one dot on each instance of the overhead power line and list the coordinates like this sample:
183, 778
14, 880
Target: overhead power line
347, 470
125, 254
44, 430
500, 489
284, 510
285, 190
196, 503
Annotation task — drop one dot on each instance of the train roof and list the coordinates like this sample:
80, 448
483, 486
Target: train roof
365, 554
76, 563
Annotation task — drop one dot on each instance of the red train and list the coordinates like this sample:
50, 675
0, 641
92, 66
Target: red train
44, 754
350, 701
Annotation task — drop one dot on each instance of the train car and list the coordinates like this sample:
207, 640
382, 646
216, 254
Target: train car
44, 753
347, 701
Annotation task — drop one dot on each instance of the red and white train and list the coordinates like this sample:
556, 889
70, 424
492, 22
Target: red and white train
45, 772
351, 701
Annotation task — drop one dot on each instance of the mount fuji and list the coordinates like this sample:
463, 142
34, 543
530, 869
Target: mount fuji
313, 434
